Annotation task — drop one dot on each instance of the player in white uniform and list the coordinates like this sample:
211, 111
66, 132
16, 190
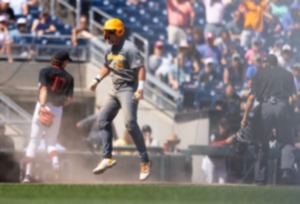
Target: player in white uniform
56, 87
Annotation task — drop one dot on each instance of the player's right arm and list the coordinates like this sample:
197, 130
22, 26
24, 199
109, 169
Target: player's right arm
102, 74
43, 95
43, 87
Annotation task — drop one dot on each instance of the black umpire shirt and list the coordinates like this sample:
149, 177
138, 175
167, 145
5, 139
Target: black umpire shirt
59, 83
276, 82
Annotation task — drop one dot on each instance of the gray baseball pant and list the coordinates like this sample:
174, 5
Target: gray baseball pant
116, 99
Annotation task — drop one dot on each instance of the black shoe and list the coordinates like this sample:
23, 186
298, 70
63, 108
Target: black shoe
287, 177
260, 183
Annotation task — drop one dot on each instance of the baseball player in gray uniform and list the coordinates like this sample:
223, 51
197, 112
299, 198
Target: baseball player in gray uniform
125, 64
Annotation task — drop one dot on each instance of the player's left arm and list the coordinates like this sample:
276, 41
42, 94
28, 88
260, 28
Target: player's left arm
293, 95
139, 94
70, 93
43, 95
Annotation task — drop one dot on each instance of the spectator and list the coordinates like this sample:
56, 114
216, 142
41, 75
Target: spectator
234, 73
17, 6
171, 144
17, 38
253, 68
180, 17
296, 73
29, 5
176, 75
214, 10
209, 50
21, 29
6, 10
192, 52
160, 62
155, 60
226, 45
198, 36
190, 89
5, 40
149, 140
81, 31
253, 11
230, 105
277, 48
94, 139
291, 23
278, 9
254, 51
286, 60
182, 67
235, 26
125, 140
272, 30
43, 25
214, 168
208, 76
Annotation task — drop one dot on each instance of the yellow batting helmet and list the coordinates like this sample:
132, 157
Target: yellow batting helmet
114, 24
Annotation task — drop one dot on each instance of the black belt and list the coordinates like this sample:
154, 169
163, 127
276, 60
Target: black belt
274, 100
119, 85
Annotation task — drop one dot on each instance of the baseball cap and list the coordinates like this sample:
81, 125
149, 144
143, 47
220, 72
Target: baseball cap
236, 56
286, 47
159, 43
210, 36
209, 61
256, 40
21, 21
62, 56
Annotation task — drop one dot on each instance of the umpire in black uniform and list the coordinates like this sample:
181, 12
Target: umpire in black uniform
275, 90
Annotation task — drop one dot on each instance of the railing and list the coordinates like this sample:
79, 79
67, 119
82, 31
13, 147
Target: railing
161, 95
29, 46
16, 118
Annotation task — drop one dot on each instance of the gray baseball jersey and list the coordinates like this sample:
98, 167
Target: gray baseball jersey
123, 60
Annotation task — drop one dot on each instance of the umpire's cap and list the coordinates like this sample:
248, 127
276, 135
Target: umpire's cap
62, 56
271, 60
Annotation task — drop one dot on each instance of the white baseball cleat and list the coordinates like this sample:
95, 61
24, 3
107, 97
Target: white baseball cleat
27, 179
104, 164
145, 171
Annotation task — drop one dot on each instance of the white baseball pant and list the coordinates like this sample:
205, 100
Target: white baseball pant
38, 130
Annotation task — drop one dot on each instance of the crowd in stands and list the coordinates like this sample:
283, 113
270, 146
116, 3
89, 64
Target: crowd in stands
25, 22
227, 49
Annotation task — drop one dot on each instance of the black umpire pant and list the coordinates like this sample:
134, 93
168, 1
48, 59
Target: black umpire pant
268, 116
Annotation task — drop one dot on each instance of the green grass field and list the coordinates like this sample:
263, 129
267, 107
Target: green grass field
153, 193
